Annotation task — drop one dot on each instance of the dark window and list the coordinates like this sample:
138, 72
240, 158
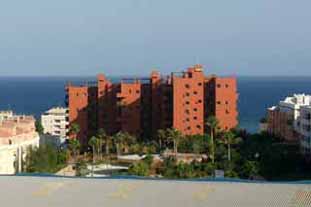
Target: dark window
199, 84
199, 126
195, 118
200, 101
195, 109
137, 91
187, 86
195, 92
187, 94
227, 102
218, 102
227, 86
187, 102
189, 128
218, 85
227, 112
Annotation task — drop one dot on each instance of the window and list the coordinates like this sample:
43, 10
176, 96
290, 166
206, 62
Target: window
187, 119
199, 126
187, 94
218, 102
199, 101
187, 111
199, 84
227, 86
187, 102
137, 91
187, 86
195, 92
195, 118
195, 109
227, 112
130, 91
189, 128
218, 85
227, 102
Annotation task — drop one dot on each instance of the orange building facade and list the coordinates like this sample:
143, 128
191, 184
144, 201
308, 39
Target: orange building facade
142, 106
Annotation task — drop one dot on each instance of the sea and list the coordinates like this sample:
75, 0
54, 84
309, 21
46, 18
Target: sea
34, 95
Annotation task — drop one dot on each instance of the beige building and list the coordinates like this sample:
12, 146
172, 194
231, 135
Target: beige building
55, 122
17, 134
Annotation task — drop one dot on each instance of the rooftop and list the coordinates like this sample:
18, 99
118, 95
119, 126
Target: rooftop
53, 191
56, 111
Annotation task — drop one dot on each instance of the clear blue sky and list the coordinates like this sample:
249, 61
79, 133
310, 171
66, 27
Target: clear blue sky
80, 37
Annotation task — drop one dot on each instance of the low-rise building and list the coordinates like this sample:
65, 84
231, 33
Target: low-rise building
55, 122
17, 134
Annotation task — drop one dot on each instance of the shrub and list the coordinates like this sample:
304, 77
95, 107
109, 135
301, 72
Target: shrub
140, 169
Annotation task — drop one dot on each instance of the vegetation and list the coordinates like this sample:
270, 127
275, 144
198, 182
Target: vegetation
212, 124
74, 146
237, 153
39, 127
74, 130
45, 159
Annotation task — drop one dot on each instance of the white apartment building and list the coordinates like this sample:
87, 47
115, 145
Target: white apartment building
291, 119
304, 129
55, 121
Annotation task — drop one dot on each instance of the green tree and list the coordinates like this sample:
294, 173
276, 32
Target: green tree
74, 146
128, 140
229, 140
118, 140
174, 136
212, 124
39, 127
93, 142
161, 135
74, 130
250, 168
45, 159
105, 138
140, 169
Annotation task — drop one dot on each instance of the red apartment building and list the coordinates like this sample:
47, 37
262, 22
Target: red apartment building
142, 106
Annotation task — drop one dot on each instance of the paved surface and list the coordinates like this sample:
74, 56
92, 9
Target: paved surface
45, 191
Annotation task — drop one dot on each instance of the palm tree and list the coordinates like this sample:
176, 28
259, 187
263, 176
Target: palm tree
74, 130
118, 139
230, 139
174, 135
161, 137
103, 137
212, 124
128, 140
74, 146
93, 142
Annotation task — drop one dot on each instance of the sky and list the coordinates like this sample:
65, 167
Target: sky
132, 37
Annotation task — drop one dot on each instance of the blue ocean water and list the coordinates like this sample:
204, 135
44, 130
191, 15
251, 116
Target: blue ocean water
34, 95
